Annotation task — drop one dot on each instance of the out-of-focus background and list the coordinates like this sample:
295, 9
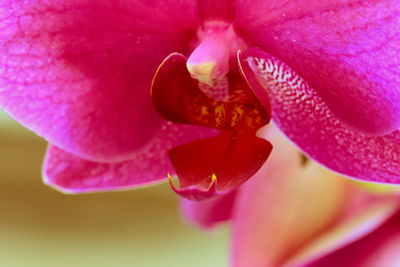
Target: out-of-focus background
42, 227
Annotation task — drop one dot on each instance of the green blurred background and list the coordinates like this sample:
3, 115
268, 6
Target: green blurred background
42, 227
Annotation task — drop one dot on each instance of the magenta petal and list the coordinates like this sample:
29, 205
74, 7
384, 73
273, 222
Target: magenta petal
346, 50
221, 10
208, 214
304, 117
79, 72
72, 174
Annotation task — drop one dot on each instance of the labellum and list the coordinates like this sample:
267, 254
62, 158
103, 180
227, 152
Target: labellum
209, 89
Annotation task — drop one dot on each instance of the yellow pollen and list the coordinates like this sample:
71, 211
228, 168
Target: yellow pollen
220, 115
237, 113
204, 111
202, 72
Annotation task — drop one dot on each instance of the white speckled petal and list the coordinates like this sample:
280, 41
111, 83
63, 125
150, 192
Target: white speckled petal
346, 50
304, 117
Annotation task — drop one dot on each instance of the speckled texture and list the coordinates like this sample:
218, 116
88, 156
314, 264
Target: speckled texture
346, 50
305, 118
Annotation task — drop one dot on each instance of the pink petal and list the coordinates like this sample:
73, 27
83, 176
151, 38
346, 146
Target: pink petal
282, 207
209, 213
305, 118
79, 72
346, 50
380, 248
72, 174
290, 213
364, 220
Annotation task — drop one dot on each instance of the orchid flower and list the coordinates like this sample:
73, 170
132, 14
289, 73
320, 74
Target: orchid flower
296, 213
79, 73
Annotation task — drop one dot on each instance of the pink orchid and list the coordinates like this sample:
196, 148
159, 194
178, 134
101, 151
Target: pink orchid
293, 213
79, 74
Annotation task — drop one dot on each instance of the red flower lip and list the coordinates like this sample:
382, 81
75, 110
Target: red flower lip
232, 156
